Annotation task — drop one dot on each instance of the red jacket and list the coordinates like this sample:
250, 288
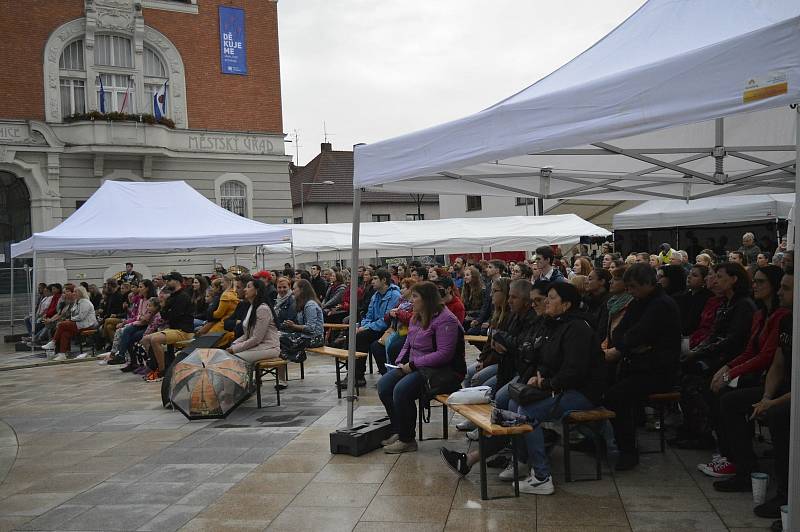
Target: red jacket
706, 321
456, 306
757, 358
51, 309
346, 297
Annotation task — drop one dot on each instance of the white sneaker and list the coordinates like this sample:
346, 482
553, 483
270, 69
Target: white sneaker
60, 356
465, 425
523, 471
82, 355
534, 486
473, 435
49, 345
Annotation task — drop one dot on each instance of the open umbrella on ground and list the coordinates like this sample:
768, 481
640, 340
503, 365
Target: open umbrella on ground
209, 383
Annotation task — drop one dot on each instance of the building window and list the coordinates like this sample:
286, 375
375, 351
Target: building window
298, 220
414, 217
233, 196
72, 57
118, 90
73, 96
113, 51
72, 84
474, 203
380, 217
525, 201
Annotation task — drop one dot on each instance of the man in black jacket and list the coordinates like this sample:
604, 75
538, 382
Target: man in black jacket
494, 270
649, 340
319, 284
177, 313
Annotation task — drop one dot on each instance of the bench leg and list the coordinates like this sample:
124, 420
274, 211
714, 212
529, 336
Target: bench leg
567, 463
258, 386
302, 371
338, 379
662, 429
420, 415
598, 463
482, 451
445, 428
515, 463
369, 355
277, 386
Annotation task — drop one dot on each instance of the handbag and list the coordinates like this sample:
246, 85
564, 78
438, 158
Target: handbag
384, 339
524, 394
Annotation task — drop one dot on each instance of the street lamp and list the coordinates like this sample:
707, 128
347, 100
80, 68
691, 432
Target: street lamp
302, 193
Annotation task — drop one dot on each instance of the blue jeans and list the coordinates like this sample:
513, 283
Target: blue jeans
544, 410
398, 393
130, 335
501, 397
479, 378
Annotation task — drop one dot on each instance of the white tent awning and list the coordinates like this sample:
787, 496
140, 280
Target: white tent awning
709, 211
161, 217
455, 235
672, 63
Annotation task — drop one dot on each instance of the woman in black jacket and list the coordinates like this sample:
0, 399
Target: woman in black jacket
569, 373
694, 299
649, 342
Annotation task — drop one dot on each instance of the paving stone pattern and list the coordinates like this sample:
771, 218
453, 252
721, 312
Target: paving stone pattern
84, 447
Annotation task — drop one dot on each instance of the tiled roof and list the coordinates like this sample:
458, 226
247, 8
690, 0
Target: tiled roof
337, 166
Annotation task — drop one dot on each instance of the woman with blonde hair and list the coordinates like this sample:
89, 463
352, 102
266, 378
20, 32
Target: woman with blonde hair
704, 259
82, 317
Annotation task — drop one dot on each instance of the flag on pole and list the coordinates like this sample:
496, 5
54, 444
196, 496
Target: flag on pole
124, 101
160, 102
102, 95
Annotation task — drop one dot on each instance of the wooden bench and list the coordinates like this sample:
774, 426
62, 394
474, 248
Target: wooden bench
480, 415
581, 417
269, 366
660, 402
336, 326
87, 335
476, 338
340, 359
441, 399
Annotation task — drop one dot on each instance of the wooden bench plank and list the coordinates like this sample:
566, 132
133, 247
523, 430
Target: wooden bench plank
334, 352
476, 338
669, 397
481, 416
272, 363
587, 416
336, 326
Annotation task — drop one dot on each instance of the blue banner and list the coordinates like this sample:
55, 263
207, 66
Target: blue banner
233, 53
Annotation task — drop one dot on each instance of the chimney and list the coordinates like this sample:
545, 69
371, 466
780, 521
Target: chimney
325, 146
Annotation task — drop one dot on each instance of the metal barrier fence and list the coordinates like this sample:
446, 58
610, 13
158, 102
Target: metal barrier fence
15, 301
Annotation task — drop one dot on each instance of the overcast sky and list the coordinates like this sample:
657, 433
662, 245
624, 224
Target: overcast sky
375, 69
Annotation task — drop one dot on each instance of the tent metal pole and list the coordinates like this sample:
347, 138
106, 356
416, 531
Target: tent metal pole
351, 348
33, 316
235, 258
294, 260
377, 260
794, 435
33, 296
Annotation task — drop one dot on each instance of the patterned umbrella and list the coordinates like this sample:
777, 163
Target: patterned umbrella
209, 383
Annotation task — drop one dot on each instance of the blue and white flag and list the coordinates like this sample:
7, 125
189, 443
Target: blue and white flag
102, 95
160, 102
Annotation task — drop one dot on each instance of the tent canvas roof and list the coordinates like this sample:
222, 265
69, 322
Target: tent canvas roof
677, 64
709, 211
170, 216
456, 235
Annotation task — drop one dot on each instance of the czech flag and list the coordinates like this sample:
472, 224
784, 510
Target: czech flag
102, 96
160, 102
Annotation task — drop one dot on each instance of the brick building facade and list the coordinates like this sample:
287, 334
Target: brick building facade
222, 133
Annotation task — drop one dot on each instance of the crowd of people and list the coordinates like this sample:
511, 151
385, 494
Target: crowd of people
563, 334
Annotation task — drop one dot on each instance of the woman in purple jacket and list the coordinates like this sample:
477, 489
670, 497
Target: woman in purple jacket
429, 357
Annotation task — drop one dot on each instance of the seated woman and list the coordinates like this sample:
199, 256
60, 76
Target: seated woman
597, 295
335, 293
693, 300
136, 331
617, 306
82, 317
128, 330
672, 279
746, 370
472, 292
485, 367
433, 350
306, 329
284, 301
198, 296
521, 270
398, 319
228, 302
261, 339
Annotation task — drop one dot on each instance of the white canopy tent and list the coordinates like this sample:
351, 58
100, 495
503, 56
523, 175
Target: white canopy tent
171, 217
454, 235
688, 67
708, 211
